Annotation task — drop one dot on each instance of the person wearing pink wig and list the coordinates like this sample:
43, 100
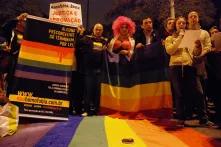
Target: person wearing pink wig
122, 44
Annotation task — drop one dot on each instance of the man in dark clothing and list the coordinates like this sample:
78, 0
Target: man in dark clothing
146, 35
91, 48
213, 65
13, 32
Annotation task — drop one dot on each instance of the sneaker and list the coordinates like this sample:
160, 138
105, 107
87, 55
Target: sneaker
84, 114
208, 124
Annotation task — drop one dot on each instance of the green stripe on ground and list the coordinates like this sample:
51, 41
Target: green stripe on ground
90, 133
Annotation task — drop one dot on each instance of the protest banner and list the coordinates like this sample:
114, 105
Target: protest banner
66, 12
43, 72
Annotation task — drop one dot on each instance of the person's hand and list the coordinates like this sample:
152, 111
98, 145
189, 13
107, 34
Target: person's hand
80, 30
139, 45
104, 47
198, 44
197, 49
181, 32
124, 52
7, 49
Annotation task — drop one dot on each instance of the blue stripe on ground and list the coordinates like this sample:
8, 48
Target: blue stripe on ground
61, 134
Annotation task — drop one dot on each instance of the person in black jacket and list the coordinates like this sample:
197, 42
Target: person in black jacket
146, 35
91, 48
13, 31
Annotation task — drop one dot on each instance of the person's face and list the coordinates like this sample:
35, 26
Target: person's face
214, 31
170, 25
180, 24
124, 30
193, 18
147, 24
98, 30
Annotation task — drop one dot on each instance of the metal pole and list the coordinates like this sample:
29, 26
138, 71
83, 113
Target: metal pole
172, 9
88, 9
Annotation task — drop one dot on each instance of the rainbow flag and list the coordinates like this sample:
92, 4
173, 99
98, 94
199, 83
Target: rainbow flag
141, 84
106, 131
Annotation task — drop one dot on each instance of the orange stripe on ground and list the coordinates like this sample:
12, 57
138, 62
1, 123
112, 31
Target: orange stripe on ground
154, 136
194, 138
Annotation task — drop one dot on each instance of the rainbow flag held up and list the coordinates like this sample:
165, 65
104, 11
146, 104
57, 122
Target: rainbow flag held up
141, 84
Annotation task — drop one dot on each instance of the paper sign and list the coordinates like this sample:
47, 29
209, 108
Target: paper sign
189, 39
66, 12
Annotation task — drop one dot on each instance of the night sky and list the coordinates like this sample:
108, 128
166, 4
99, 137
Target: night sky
98, 9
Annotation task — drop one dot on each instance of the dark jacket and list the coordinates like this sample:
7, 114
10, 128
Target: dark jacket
89, 59
140, 37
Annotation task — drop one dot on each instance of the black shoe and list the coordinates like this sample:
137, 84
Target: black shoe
208, 124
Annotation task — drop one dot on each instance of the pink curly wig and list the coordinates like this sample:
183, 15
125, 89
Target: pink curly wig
121, 20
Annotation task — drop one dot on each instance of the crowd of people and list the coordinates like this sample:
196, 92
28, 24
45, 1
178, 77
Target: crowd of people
190, 70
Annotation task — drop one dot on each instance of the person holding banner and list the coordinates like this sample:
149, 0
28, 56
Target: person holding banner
4, 66
13, 32
77, 80
92, 49
121, 47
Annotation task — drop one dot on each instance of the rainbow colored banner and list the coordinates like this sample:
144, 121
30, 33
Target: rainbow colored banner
105, 131
141, 84
43, 72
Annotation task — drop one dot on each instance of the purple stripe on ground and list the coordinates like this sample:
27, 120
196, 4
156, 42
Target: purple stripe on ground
27, 135
61, 134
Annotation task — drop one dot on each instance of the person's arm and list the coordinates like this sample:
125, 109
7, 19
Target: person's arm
172, 45
202, 47
138, 39
206, 44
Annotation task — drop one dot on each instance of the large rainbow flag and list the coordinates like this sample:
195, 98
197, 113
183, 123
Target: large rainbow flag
106, 131
141, 84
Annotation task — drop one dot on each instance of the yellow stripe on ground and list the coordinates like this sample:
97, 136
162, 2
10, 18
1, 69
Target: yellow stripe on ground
118, 129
